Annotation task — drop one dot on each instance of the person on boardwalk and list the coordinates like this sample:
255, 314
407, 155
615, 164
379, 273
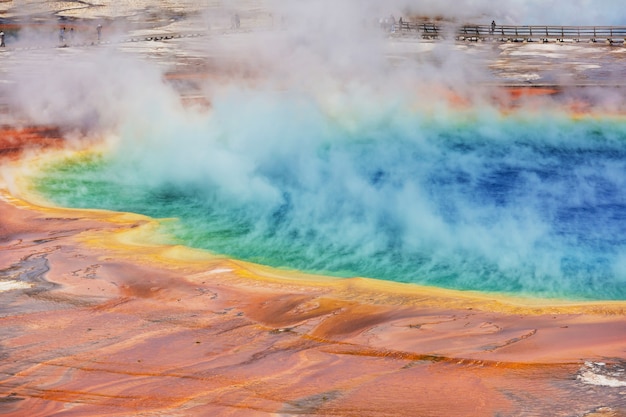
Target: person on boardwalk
62, 36
235, 23
2, 45
493, 27
99, 30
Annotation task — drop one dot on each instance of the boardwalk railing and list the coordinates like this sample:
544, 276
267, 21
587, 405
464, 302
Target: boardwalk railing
504, 33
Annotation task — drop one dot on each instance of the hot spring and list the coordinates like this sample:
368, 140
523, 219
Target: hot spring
524, 204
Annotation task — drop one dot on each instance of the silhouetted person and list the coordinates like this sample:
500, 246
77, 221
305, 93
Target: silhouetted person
2, 39
493, 27
234, 23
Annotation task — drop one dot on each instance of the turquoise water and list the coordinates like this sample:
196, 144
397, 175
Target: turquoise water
529, 205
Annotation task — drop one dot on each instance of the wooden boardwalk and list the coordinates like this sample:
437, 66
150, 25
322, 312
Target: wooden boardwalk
614, 35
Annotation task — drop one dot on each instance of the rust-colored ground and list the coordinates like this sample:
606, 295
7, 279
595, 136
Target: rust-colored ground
13, 141
103, 324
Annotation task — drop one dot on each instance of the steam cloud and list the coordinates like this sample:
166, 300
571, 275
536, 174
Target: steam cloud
525, 12
363, 156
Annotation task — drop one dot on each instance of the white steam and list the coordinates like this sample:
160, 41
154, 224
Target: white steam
288, 107
520, 12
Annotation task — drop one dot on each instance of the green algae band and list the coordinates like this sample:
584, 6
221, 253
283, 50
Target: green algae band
524, 205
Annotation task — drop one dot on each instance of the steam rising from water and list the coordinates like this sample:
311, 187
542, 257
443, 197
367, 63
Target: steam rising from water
344, 154
479, 201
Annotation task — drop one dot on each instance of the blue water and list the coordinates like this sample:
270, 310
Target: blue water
528, 205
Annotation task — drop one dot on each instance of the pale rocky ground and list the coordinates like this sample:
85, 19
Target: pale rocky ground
526, 64
521, 63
